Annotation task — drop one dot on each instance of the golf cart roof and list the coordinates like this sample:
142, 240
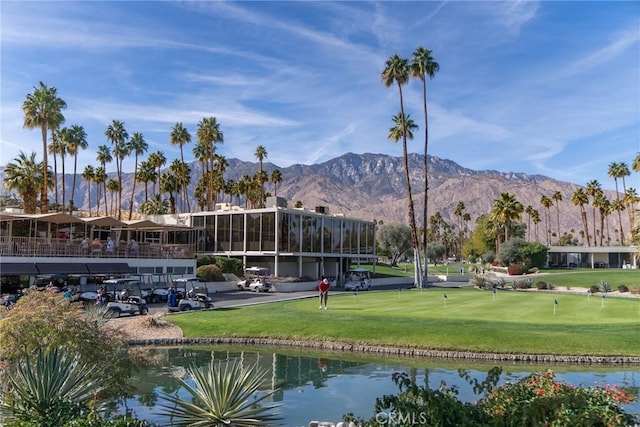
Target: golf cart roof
122, 280
359, 270
188, 279
257, 269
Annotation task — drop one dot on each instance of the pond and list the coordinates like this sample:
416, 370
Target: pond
323, 386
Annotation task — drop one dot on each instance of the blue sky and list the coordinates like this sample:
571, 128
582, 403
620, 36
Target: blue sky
548, 88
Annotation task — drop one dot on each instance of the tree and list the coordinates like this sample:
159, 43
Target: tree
276, 178
113, 186
580, 199
138, 146
208, 135
55, 148
146, 174
557, 198
424, 65
169, 184
594, 190
636, 163
88, 174
155, 206
104, 156
43, 109
397, 71
459, 212
616, 171
261, 154
180, 136
519, 251
507, 209
118, 135
100, 178
25, 176
546, 202
77, 141
157, 160
396, 239
222, 395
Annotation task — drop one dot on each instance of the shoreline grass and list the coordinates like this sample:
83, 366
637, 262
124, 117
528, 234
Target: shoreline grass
468, 320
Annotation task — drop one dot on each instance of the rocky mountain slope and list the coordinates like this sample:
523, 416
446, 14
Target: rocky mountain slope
371, 186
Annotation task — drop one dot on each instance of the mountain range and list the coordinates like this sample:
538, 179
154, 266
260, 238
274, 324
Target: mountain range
372, 187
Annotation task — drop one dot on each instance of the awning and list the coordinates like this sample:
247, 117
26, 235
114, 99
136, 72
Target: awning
18, 269
109, 268
103, 221
62, 268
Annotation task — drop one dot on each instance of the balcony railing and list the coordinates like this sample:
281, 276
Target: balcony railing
49, 247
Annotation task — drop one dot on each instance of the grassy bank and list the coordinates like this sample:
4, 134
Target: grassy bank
467, 320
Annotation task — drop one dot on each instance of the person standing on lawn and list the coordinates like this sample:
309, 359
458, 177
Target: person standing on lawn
323, 289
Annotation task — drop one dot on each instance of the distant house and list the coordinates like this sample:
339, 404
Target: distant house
593, 256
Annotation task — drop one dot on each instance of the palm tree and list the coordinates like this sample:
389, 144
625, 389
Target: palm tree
618, 205
25, 176
104, 156
180, 136
507, 209
113, 186
557, 198
459, 211
222, 396
424, 65
529, 211
535, 217
636, 163
603, 204
155, 206
169, 184
43, 109
275, 178
397, 71
157, 160
146, 174
88, 174
580, 199
261, 154
118, 135
138, 146
65, 136
209, 134
630, 198
594, 189
77, 141
618, 170
55, 148
100, 178
546, 202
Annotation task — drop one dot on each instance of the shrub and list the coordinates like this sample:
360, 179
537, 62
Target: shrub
594, 289
635, 290
539, 399
210, 273
517, 269
605, 286
623, 288
481, 282
542, 285
523, 284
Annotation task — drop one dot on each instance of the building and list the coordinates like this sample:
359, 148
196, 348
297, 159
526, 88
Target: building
288, 241
593, 256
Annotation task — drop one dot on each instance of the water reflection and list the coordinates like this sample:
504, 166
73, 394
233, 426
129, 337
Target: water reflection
324, 386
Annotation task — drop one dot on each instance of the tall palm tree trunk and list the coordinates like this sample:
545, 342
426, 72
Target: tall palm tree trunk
44, 193
412, 214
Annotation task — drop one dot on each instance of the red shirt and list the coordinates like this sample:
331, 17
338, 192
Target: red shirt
323, 286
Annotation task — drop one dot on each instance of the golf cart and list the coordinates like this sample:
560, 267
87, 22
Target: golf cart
124, 296
191, 294
357, 279
255, 279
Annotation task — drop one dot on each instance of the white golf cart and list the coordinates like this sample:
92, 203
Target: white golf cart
191, 294
255, 279
124, 297
357, 279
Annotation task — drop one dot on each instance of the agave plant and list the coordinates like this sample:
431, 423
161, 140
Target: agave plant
49, 390
222, 396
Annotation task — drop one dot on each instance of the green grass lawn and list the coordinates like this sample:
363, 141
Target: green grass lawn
469, 319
